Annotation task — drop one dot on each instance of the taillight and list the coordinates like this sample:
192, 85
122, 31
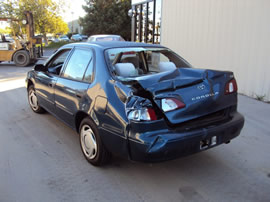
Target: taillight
170, 104
143, 114
231, 87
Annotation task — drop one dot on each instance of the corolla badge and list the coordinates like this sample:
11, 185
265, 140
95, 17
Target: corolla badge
201, 87
204, 96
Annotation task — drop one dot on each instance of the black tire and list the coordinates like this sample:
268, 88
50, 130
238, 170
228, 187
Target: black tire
34, 106
21, 58
100, 155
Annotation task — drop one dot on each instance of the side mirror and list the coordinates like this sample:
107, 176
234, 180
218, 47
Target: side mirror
40, 68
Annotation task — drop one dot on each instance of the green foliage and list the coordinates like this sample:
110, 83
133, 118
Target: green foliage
5, 31
55, 45
44, 13
107, 17
9, 9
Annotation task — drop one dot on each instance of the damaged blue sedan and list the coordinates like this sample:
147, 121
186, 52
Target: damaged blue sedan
138, 101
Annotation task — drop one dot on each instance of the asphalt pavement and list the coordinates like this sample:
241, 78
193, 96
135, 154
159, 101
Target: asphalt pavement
40, 160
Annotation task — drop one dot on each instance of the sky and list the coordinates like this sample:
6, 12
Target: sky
74, 6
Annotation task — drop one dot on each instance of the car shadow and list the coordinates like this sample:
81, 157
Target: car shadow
187, 178
201, 162
196, 165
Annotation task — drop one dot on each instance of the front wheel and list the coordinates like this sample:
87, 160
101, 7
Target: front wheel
91, 144
33, 101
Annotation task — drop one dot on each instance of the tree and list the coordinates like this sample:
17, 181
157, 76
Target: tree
44, 14
10, 9
107, 17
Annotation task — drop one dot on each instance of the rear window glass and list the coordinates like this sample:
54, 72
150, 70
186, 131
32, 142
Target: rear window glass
108, 39
77, 64
134, 62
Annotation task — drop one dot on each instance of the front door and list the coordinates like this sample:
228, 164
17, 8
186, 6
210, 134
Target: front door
46, 81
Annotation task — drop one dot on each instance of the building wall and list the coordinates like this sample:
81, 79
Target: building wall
76, 27
222, 34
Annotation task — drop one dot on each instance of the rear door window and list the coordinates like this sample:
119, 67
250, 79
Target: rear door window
78, 63
88, 76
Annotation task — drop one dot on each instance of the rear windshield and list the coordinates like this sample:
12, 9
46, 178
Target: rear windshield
109, 39
134, 62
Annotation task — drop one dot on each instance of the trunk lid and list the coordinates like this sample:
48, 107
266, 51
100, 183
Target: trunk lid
201, 90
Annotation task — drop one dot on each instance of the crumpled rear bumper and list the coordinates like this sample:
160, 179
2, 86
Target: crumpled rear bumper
166, 143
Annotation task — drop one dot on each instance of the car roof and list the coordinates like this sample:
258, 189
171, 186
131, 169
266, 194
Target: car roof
105, 35
113, 44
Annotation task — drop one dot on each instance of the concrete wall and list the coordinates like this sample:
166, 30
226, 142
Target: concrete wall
222, 34
76, 27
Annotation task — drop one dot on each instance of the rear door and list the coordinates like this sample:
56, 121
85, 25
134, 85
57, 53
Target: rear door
72, 85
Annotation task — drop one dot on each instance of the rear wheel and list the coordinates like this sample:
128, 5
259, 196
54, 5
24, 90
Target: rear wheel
21, 58
33, 101
91, 144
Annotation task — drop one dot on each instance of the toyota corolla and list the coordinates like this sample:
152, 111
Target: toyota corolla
139, 101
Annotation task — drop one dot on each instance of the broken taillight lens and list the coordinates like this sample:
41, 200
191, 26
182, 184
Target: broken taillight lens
231, 87
170, 104
143, 114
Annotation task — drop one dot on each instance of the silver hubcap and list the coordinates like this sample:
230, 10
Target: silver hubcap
33, 99
88, 142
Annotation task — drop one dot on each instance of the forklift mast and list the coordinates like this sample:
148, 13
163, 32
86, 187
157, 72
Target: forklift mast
30, 32
23, 54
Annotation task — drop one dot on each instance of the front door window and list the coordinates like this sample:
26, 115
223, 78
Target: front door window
56, 64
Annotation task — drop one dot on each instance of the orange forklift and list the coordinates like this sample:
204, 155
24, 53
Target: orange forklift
22, 54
